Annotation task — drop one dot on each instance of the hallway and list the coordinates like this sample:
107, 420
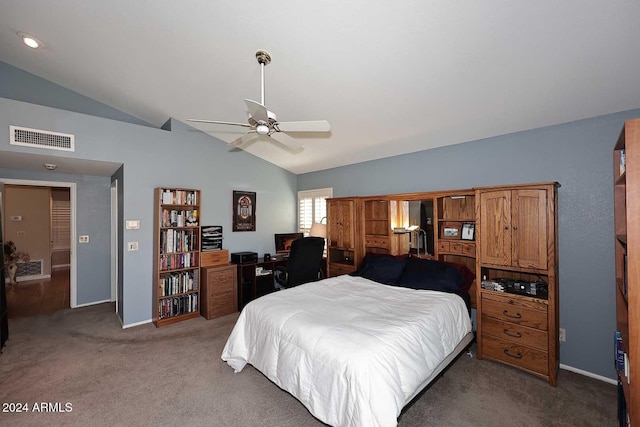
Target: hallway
35, 297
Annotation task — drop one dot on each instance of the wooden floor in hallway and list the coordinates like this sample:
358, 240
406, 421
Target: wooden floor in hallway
33, 297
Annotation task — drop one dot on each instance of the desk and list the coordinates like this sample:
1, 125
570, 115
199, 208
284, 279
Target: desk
252, 286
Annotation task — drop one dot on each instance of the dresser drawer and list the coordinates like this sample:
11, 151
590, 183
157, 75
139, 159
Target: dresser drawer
208, 259
469, 249
443, 246
377, 242
455, 247
223, 304
515, 354
513, 311
515, 333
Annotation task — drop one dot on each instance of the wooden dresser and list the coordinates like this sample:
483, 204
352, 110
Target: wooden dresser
219, 291
517, 241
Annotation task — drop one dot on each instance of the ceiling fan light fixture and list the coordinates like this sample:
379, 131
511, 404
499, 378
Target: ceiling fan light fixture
262, 129
30, 41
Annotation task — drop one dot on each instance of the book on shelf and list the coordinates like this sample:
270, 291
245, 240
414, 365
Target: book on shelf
623, 162
619, 351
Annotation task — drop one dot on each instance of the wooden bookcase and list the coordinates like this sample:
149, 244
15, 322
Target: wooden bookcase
452, 212
516, 230
626, 174
176, 243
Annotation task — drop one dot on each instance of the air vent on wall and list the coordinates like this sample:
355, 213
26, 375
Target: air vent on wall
41, 139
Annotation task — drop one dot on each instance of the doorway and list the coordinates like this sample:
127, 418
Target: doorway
54, 288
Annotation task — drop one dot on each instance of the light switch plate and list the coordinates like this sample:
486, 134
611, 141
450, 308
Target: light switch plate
132, 246
132, 224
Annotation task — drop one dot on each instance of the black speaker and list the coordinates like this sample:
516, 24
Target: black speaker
267, 257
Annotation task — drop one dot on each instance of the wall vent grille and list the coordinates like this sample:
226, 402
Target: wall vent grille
30, 268
41, 139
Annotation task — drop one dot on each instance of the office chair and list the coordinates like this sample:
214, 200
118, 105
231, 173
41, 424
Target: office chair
303, 265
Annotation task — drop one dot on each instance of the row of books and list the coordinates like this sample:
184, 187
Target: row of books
172, 241
175, 261
176, 306
178, 283
179, 197
622, 359
179, 218
623, 162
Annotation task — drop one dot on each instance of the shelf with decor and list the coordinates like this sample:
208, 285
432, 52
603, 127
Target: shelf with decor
176, 265
379, 217
454, 230
626, 174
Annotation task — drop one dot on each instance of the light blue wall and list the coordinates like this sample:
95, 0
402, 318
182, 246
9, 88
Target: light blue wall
579, 156
181, 157
22, 86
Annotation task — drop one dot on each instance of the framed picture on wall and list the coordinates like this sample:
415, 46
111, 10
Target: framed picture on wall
244, 211
468, 231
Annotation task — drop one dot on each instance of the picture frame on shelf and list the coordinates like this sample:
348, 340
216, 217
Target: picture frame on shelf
244, 211
450, 231
468, 231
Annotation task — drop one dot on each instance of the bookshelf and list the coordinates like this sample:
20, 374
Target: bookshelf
626, 174
176, 248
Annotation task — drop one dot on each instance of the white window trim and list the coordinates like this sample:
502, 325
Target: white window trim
325, 193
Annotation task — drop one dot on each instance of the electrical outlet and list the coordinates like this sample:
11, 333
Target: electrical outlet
132, 246
84, 239
563, 335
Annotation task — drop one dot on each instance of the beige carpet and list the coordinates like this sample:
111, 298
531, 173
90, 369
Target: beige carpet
174, 376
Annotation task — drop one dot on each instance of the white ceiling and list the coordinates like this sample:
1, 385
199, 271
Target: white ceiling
390, 77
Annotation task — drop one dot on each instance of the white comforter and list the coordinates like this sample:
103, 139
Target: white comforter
351, 350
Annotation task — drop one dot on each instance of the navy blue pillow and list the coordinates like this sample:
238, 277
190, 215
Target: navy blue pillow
430, 274
382, 269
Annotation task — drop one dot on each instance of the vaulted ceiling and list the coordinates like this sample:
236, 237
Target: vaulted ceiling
390, 77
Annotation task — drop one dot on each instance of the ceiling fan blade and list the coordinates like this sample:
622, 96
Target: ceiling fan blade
304, 126
286, 145
243, 139
257, 111
217, 122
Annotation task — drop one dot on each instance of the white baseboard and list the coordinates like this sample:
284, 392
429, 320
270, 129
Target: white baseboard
32, 277
131, 325
588, 374
57, 266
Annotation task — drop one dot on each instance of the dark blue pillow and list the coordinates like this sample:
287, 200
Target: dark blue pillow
430, 274
382, 269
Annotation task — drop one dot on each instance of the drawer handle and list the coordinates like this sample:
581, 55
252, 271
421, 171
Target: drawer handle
516, 335
517, 316
518, 355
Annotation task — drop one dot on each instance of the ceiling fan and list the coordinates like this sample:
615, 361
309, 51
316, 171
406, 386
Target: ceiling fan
263, 122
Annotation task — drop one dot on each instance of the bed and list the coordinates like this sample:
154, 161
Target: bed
352, 350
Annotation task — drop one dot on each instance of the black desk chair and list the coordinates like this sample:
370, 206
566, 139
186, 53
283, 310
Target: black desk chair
303, 265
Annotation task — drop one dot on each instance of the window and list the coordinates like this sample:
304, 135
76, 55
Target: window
312, 207
60, 219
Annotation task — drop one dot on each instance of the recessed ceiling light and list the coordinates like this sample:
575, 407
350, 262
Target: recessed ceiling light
30, 41
49, 166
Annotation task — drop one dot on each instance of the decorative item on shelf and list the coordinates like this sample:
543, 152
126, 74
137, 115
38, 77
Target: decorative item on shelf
450, 231
11, 259
468, 231
244, 211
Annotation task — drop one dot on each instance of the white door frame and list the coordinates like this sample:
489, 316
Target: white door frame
114, 243
73, 271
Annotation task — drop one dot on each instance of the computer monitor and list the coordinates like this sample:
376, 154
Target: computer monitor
283, 241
